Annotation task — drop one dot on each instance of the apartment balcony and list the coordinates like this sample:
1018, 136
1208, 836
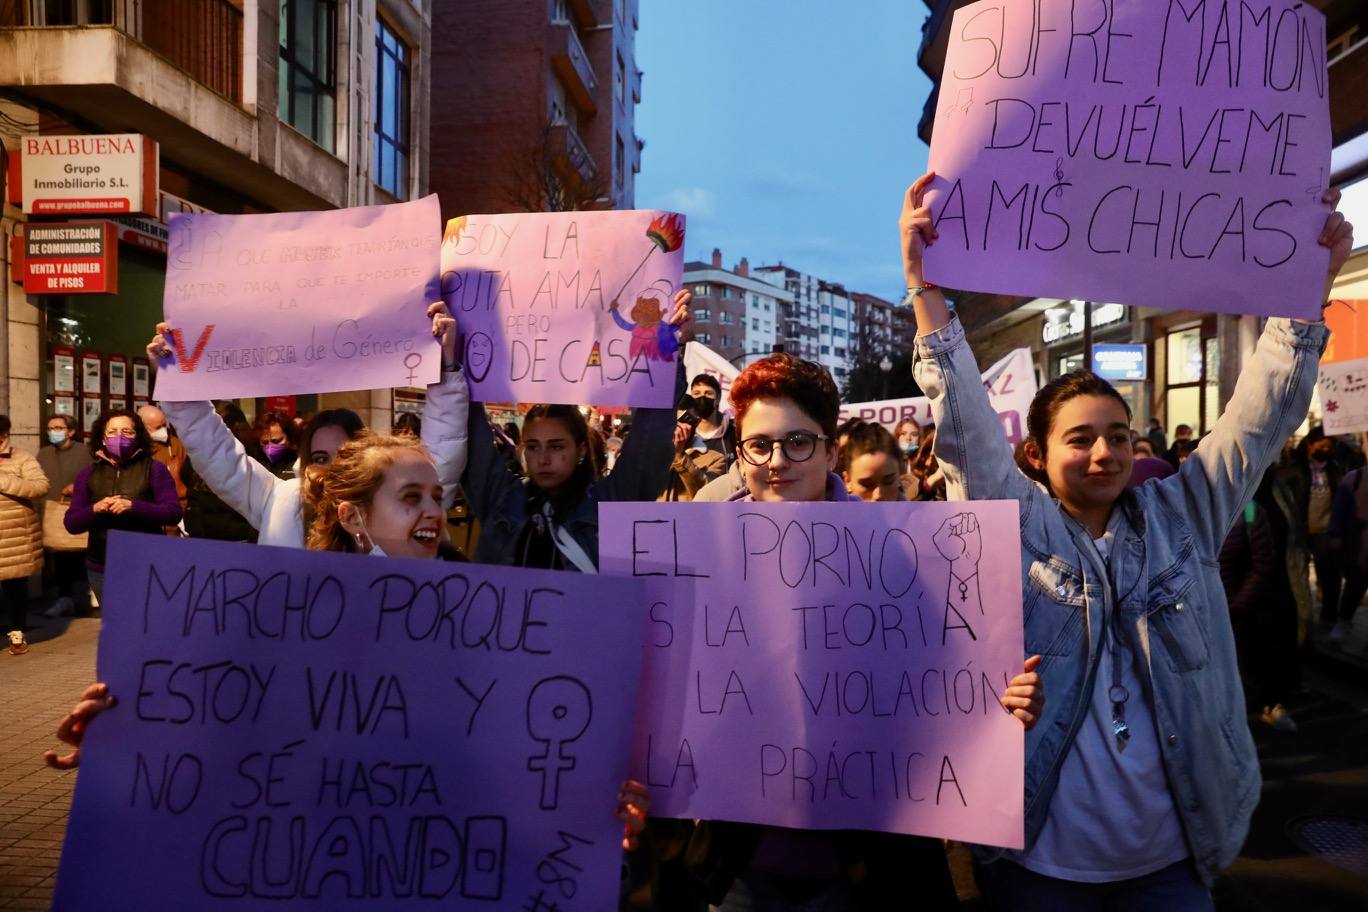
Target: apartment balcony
170, 69
567, 147
571, 63
201, 37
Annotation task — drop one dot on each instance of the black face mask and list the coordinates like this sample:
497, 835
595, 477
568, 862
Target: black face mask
1320, 456
704, 406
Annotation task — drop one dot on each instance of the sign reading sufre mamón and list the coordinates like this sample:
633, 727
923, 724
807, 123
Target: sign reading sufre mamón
87, 175
71, 258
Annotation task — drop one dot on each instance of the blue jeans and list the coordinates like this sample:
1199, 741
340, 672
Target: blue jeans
1009, 887
756, 891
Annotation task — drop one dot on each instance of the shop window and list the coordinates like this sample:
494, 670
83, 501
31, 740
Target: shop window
1189, 385
391, 163
308, 79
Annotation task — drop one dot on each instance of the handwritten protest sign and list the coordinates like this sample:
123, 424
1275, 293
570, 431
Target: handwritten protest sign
566, 307
1011, 386
1163, 154
699, 359
1344, 396
301, 302
828, 665
309, 730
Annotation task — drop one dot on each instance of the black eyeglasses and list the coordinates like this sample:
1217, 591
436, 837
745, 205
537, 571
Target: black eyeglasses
798, 446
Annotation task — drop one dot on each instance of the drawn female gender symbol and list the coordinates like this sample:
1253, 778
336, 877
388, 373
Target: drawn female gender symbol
558, 712
417, 359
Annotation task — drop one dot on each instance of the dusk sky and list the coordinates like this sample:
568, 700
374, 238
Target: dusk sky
784, 129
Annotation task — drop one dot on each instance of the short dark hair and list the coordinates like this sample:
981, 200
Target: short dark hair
868, 437
1183, 429
1052, 396
707, 380
344, 418
5, 424
67, 420
96, 441
410, 422
1154, 422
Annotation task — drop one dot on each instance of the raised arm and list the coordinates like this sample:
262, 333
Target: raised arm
446, 413
487, 478
970, 446
1270, 401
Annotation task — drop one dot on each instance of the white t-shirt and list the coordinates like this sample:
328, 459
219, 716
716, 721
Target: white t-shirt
1112, 816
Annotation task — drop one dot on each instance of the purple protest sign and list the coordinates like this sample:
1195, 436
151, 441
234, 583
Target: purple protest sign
566, 307
1162, 154
828, 665
301, 302
310, 730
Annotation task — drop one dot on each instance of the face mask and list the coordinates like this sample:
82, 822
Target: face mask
1320, 456
274, 451
57, 438
704, 406
909, 449
119, 447
375, 549
160, 435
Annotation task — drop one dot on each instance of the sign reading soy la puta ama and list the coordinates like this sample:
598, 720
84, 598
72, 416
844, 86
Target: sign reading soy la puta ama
301, 302
310, 730
828, 665
1163, 154
567, 306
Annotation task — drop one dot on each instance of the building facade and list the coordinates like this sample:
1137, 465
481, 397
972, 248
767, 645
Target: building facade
737, 314
1191, 360
533, 105
254, 106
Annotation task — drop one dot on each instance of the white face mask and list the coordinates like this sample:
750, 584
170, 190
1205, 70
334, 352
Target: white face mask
375, 549
160, 435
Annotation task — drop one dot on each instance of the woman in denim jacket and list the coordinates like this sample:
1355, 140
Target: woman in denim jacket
1141, 775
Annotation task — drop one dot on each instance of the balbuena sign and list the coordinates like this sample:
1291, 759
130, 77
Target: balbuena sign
87, 175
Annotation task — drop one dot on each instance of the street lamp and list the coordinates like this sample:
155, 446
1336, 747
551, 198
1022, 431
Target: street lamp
886, 366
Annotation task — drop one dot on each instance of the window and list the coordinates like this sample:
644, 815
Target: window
620, 159
725, 341
620, 81
701, 291
767, 306
725, 316
702, 314
826, 349
840, 352
838, 333
726, 291
839, 312
755, 323
704, 338
826, 309
308, 85
559, 12
391, 165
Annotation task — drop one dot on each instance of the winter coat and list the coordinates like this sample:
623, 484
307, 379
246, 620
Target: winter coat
22, 487
1174, 611
143, 480
274, 505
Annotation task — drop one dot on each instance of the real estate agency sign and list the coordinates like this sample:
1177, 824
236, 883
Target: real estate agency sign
71, 258
87, 175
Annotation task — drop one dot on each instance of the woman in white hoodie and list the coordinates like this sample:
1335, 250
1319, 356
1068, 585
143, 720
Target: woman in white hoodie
273, 505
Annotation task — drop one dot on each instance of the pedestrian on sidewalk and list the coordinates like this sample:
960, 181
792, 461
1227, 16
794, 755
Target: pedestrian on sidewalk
1140, 778
22, 487
1348, 522
61, 461
1263, 610
123, 488
1314, 476
166, 449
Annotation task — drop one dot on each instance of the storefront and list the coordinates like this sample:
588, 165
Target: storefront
1062, 350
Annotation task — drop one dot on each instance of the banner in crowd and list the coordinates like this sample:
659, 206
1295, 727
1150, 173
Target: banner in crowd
828, 665
699, 359
1011, 385
306, 730
567, 307
1166, 154
301, 302
1344, 396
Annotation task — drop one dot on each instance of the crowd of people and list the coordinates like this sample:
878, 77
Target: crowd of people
1141, 774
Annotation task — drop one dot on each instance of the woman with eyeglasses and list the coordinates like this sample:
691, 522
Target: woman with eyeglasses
123, 488
786, 414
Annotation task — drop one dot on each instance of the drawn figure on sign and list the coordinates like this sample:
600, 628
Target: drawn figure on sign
479, 355
558, 713
958, 540
652, 336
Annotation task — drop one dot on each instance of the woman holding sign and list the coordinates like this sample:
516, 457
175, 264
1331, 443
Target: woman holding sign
786, 415
271, 503
549, 519
1142, 776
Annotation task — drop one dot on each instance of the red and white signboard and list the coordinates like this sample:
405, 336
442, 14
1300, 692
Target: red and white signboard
71, 258
86, 175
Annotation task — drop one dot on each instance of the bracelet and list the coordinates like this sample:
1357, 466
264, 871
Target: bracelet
916, 290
